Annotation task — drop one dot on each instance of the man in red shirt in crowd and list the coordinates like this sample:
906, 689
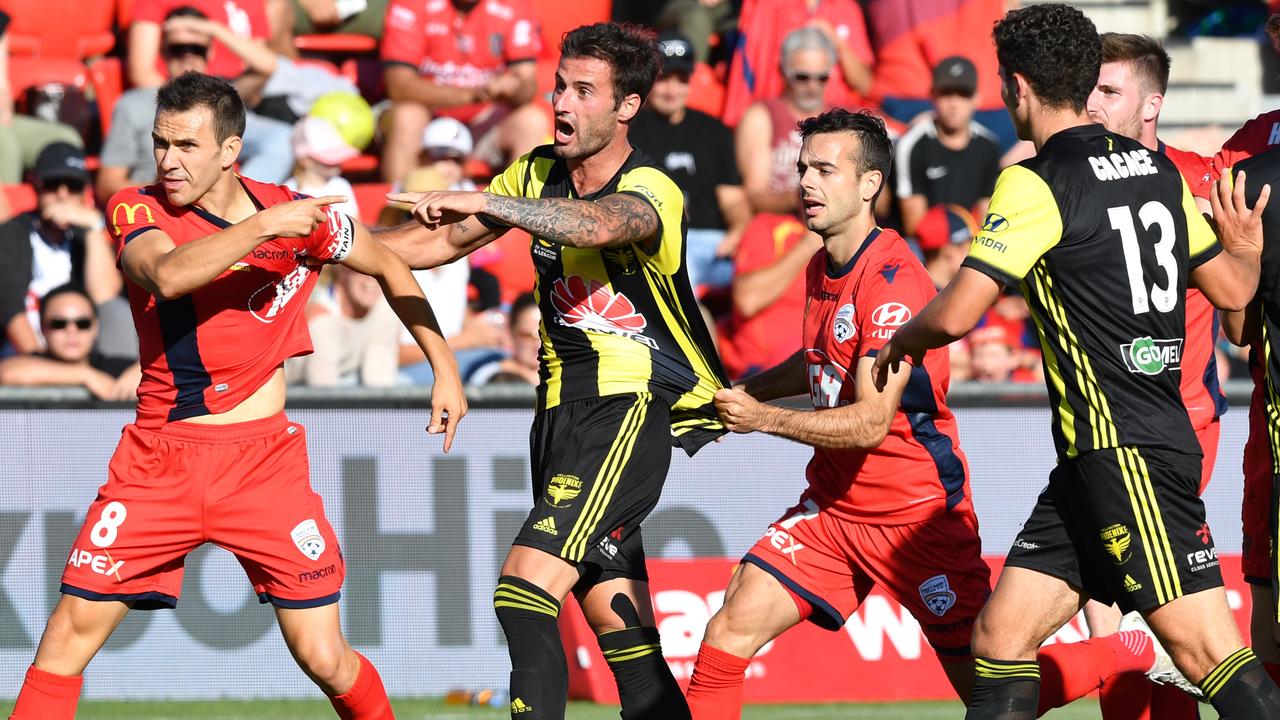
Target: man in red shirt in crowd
467, 59
219, 269
1131, 85
246, 18
888, 498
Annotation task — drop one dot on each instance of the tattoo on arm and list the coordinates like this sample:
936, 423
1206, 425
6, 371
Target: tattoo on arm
615, 220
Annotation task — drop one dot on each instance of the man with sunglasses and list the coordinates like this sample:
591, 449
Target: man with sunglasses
63, 240
70, 326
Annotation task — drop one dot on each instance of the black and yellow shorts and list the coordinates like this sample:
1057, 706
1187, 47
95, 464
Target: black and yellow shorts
1126, 525
598, 465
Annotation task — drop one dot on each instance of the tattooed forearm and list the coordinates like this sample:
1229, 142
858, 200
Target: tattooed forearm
614, 220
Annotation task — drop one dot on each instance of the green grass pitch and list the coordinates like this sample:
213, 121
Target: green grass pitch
418, 709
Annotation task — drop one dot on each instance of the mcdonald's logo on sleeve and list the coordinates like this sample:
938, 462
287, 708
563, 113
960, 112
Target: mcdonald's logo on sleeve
130, 212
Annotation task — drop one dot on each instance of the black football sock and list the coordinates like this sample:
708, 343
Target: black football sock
646, 687
1240, 688
539, 674
1004, 690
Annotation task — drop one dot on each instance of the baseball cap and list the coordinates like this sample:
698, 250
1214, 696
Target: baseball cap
945, 225
318, 139
447, 136
955, 73
677, 53
61, 161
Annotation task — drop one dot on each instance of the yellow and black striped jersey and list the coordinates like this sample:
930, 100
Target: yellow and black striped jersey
621, 319
1100, 233
1260, 170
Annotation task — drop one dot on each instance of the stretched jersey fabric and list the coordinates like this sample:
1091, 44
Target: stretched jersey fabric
1201, 392
1253, 138
207, 351
1099, 234
620, 320
918, 471
1261, 169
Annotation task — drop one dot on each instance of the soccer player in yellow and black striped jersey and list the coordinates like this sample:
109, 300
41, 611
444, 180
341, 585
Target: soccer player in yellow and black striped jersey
627, 369
1102, 237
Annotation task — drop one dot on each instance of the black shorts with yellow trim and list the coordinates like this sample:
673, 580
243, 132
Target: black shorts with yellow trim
598, 465
1125, 525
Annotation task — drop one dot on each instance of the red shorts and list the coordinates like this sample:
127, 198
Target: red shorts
245, 487
933, 568
1255, 512
1208, 437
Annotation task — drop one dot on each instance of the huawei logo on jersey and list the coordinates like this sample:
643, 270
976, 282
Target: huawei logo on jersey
591, 306
267, 301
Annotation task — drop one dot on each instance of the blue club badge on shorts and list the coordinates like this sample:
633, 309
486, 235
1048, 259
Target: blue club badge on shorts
306, 535
937, 596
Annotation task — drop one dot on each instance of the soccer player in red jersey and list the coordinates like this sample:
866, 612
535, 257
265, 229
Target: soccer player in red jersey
888, 497
219, 268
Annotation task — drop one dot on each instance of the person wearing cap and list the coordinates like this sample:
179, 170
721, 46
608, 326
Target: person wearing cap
947, 157
943, 235
696, 150
319, 152
62, 241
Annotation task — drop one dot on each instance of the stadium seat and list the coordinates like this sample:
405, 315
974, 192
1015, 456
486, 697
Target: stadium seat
107, 77
371, 197
336, 43
559, 17
360, 164
21, 197
72, 29
318, 63
706, 90
25, 72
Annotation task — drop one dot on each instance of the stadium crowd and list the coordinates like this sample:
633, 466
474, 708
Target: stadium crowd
362, 97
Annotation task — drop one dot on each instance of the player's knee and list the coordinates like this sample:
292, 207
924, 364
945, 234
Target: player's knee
323, 659
735, 631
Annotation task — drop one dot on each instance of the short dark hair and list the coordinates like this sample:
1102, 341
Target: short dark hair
1144, 54
191, 90
1056, 48
523, 302
631, 50
65, 289
875, 149
186, 11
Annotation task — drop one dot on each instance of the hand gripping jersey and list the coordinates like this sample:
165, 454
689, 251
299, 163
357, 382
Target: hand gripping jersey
1099, 234
620, 320
205, 352
918, 471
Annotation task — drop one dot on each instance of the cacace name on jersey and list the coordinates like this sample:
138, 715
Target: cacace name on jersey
918, 471
205, 352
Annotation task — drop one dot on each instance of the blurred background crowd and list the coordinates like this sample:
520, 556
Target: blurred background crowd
361, 97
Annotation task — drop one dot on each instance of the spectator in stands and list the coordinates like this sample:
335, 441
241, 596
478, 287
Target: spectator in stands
64, 240
696, 150
521, 366
943, 236
186, 41
996, 357
765, 325
699, 20
320, 152
356, 336
946, 157
70, 327
767, 142
22, 137
357, 17
473, 60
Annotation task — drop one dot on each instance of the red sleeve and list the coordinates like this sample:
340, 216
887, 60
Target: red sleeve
766, 238
332, 239
150, 10
1248, 141
892, 291
524, 38
130, 213
404, 38
1195, 169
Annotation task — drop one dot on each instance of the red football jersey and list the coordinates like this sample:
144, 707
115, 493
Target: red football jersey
1201, 392
460, 50
1254, 137
205, 352
246, 18
918, 471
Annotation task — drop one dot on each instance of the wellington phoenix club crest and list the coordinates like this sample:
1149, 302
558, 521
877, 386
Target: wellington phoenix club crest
306, 535
592, 306
937, 595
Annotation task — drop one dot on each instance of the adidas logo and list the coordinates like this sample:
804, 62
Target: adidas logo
548, 526
1131, 585
517, 705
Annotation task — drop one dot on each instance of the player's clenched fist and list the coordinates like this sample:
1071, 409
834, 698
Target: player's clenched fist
297, 218
434, 209
741, 412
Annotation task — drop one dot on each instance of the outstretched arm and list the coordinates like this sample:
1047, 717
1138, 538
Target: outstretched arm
424, 249
785, 379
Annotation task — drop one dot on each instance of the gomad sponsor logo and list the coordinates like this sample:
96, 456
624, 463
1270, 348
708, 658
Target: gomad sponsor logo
1147, 356
592, 306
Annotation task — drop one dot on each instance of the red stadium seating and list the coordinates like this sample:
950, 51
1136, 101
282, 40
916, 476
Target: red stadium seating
360, 164
559, 17
336, 43
73, 29
706, 90
26, 71
21, 197
371, 197
108, 83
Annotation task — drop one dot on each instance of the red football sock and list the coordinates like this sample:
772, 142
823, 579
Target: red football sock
45, 696
1273, 669
1170, 703
1127, 696
367, 699
715, 691
1069, 671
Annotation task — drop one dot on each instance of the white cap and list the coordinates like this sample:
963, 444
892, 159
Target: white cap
449, 135
318, 139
